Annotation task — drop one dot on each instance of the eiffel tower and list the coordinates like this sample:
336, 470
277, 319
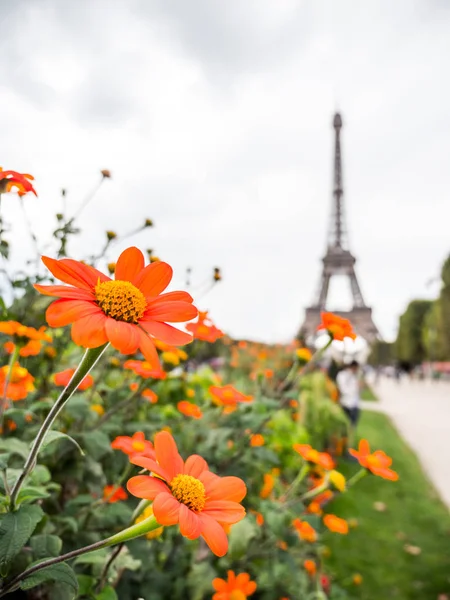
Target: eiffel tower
338, 260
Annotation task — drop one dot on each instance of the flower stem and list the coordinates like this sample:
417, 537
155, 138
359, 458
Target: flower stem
297, 481
356, 477
4, 402
130, 533
88, 361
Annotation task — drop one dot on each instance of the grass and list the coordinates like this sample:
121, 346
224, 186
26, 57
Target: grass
368, 394
411, 515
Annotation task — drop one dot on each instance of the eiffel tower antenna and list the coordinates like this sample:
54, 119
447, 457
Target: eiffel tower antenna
338, 260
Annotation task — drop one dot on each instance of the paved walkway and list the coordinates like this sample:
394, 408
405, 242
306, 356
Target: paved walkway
421, 412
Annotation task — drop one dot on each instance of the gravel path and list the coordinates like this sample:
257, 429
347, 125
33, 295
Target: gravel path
421, 412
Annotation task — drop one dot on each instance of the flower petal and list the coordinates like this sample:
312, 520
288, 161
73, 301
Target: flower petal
63, 312
148, 349
167, 454
124, 337
174, 312
151, 465
220, 585
190, 525
144, 486
226, 488
213, 534
89, 331
166, 509
173, 296
195, 465
166, 333
364, 447
224, 511
153, 279
64, 291
250, 588
129, 264
74, 272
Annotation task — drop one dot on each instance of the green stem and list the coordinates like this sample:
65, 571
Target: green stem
356, 477
130, 533
88, 361
315, 491
297, 481
12, 359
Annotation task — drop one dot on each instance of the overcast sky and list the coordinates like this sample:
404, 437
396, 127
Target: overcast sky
215, 119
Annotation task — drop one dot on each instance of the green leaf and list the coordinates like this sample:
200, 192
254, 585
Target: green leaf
15, 530
61, 573
15, 446
53, 436
40, 475
4, 461
97, 444
45, 546
85, 585
199, 580
240, 536
107, 593
30, 493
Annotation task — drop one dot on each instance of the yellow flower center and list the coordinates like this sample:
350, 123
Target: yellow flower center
190, 491
18, 374
120, 300
228, 394
237, 595
138, 446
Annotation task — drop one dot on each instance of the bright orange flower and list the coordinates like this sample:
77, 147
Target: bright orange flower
228, 396
242, 344
150, 396
378, 462
188, 493
337, 327
257, 440
319, 458
31, 348
303, 354
63, 377
128, 312
13, 179
259, 518
310, 567
320, 500
113, 493
137, 444
134, 386
236, 587
189, 409
204, 329
269, 483
144, 369
304, 530
27, 338
20, 382
335, 524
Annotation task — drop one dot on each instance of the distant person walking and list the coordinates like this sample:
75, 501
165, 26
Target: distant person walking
349, 385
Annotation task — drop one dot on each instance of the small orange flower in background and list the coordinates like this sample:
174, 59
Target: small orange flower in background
293, 403
269, 483
268, 373
129, 312
228, 396
282, 545
19, 181
144, 369
149, 395
242, 344
114, 493
204, 329
63, 377
315, 507
189, 409
134, 387
236, 587
335, 524
308, 453
20, 382
304, 530
337, 327
378, 462
188, 493
310, 567
357, 579
97, 408
257, 440
303, 354
137, 444
190, 393
27, 338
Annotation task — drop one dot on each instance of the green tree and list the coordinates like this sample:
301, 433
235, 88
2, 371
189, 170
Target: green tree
409, 345
382, 353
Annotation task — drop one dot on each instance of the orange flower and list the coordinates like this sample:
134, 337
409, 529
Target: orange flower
378, 462
259, 519
113, 493
134, 387
137, 444
303, 354
150, 396
268, 373
304, 530
310, 567
282, 545
335, 524
188, 493
27, 338
268, 486
235, 588
128, 312
337, 327
228, 396
315, 507
63, 377
204, 329
20, 382
313, 456
189, 409
257, 440
13, 179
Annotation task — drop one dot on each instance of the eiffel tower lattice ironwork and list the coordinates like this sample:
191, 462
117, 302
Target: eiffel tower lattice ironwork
338, 260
